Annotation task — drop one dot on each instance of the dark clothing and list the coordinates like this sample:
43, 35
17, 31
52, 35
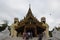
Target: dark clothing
30, 35
40, 36
25, 36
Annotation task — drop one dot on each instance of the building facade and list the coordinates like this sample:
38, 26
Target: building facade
30, 24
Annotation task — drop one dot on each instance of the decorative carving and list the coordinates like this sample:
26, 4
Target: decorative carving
30, 24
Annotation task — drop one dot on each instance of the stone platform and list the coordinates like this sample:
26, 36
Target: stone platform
19, 38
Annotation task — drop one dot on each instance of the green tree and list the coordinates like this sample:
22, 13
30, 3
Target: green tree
50, 33
4, 25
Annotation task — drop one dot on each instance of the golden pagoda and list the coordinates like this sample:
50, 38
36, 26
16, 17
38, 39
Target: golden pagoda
30, 24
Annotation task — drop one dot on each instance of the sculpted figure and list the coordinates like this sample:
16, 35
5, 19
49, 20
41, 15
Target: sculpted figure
46, 32
13, 27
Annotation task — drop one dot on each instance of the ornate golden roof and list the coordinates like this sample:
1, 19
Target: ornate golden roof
29, 19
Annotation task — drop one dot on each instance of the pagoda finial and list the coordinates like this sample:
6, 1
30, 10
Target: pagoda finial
29, 5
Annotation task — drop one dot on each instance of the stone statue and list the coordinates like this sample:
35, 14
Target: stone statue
46, 32
13, 27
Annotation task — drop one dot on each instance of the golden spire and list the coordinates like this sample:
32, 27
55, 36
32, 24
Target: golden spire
29, 13
29, 5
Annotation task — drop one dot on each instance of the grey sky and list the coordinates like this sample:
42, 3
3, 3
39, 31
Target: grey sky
19, 8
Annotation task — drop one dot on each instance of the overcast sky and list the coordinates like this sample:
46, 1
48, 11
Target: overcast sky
19, 8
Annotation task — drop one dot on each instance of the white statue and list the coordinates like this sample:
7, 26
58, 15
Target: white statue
46, 32
13, 27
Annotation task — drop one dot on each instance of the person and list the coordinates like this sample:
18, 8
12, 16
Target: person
31, 35
25, 36
40, 36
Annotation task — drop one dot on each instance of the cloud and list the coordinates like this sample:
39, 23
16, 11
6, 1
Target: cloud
18, 8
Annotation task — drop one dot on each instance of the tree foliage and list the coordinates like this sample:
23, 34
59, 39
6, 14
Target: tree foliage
3, 27
50, 33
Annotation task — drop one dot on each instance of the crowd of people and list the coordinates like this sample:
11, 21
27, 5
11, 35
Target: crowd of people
27, 36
